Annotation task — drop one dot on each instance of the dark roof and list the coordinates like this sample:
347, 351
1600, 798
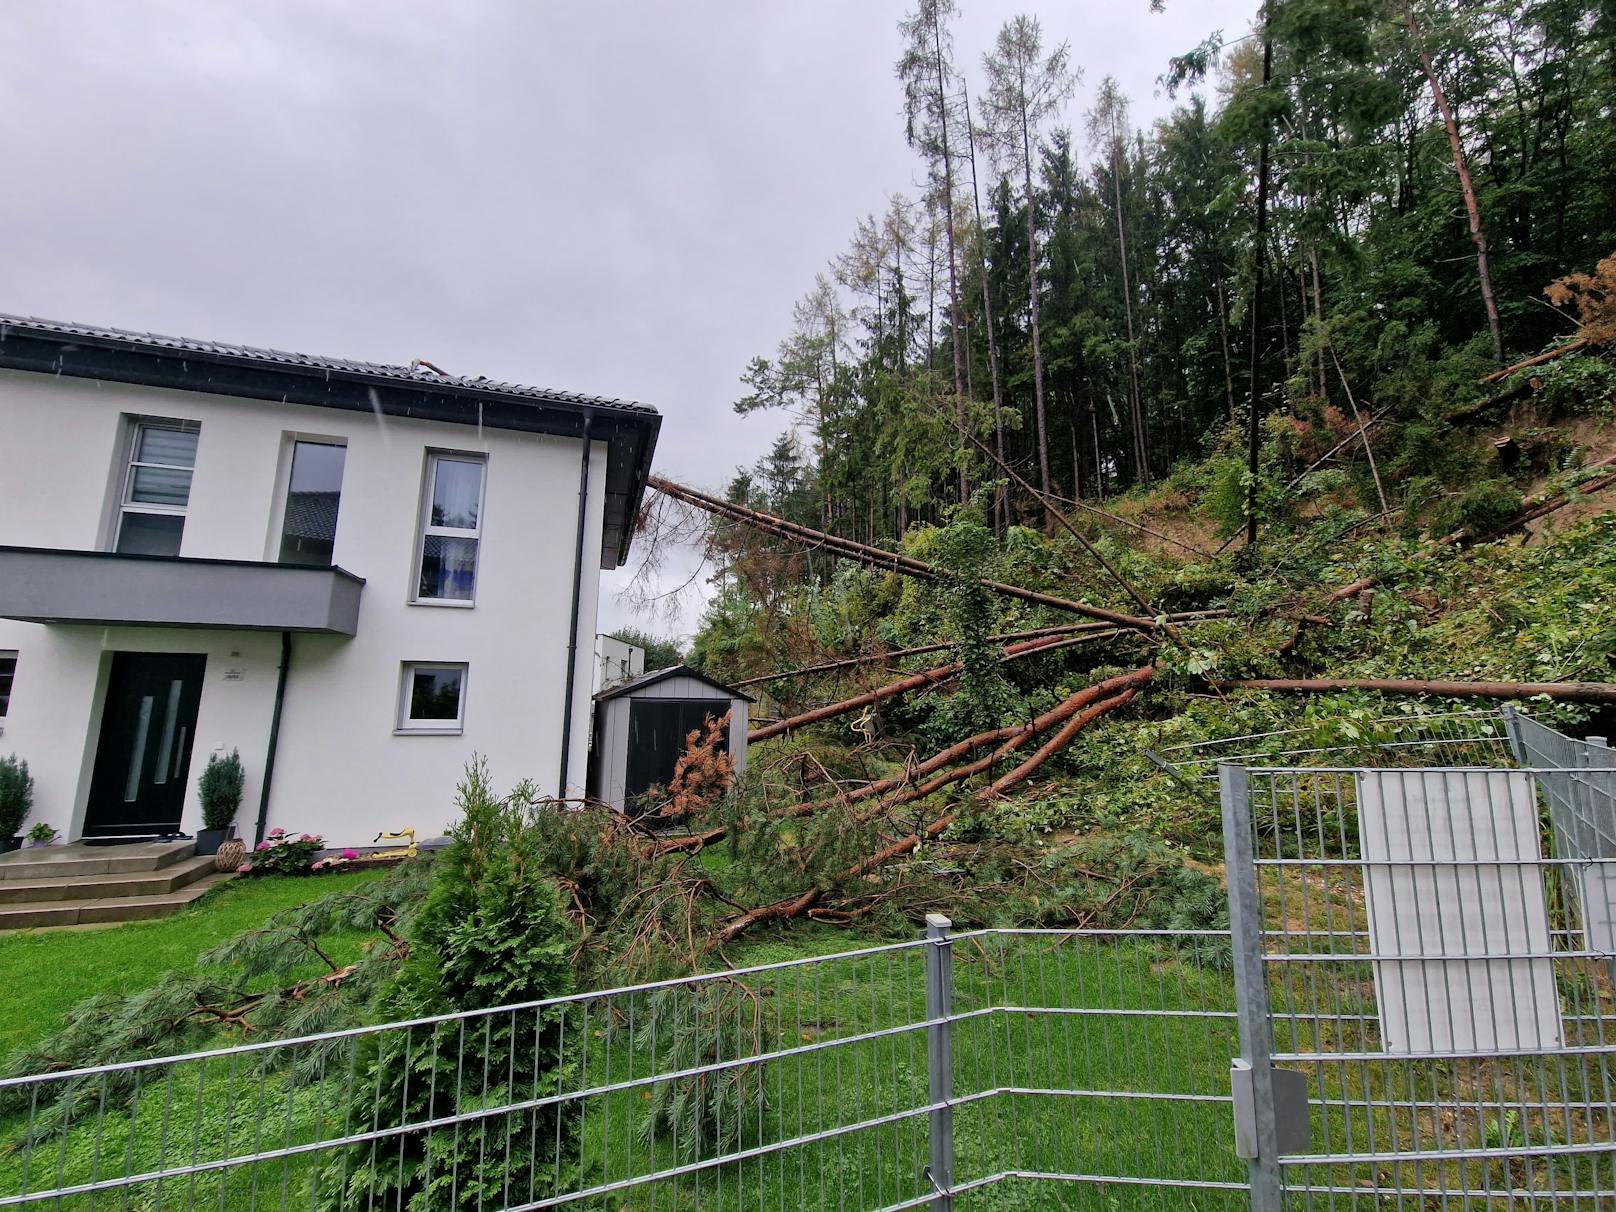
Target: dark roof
86, 351
657, 675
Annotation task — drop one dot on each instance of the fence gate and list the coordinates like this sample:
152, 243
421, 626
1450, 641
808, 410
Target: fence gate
1423, 980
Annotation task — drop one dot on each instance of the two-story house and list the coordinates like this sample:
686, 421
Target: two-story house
357, 576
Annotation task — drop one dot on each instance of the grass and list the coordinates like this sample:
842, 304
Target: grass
45, 973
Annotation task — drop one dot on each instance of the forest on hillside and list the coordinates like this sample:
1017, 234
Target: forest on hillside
1352, 212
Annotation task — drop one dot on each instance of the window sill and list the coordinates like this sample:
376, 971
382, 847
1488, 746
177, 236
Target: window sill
452, 603
429, 732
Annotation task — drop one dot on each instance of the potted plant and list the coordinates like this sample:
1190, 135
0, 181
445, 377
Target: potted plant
220, 792
42, 835
16, 800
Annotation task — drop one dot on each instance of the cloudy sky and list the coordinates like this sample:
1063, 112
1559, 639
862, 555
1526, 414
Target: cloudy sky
614, 197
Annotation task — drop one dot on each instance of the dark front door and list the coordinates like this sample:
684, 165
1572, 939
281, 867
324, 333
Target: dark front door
147, 729
657, 729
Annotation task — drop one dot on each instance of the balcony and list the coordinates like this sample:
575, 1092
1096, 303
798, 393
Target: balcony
48, 585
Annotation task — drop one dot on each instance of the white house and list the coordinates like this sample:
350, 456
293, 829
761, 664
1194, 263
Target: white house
356, 575
616, 661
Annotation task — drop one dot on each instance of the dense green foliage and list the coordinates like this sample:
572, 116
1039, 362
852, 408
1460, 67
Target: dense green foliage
16, 794
1144, 255
490, 934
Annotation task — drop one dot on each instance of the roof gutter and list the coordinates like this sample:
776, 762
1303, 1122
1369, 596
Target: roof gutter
577, 595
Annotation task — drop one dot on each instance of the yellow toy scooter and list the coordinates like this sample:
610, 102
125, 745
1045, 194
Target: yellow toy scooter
409, 851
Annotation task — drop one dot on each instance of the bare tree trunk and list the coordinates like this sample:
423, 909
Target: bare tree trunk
1318, 314
1223, 337
1099, 467
1141, 448
1478, 235
1001, 502
1260, 245
1032, 302
948, 226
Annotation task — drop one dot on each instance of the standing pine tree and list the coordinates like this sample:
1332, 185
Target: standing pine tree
490, 934
1025, 88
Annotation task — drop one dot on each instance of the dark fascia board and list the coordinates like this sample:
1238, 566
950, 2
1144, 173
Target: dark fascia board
659, 675
630, 430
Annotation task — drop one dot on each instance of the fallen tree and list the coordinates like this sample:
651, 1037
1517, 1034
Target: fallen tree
1569, 692
915, 681
938, 770
1541, 507
796, 906
875, 557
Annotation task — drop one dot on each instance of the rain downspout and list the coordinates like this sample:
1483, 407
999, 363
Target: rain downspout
577, 594
274, 736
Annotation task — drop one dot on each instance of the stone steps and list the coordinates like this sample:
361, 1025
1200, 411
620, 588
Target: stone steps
101, 886
81, 885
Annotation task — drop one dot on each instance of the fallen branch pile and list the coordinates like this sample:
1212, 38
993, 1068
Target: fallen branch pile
800, 904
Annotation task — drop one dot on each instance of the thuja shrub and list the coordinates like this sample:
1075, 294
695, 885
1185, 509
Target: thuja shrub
491, 933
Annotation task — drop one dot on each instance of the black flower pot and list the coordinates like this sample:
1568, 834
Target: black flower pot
208, 841
8, 844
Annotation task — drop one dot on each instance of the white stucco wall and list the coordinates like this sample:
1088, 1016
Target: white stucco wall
341, 770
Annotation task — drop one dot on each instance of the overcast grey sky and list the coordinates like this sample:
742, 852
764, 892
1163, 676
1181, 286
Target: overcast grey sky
619, 198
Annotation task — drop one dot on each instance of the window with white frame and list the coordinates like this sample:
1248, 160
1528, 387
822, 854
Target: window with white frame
156, 487
451, 528
432, 697
8, 672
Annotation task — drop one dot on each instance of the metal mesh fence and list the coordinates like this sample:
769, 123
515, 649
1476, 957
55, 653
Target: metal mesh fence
1431, 949
1080, 1064
1424, 965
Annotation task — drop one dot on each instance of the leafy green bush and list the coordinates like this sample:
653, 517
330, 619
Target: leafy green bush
490, 934
219, 790
1481, 510
16, 794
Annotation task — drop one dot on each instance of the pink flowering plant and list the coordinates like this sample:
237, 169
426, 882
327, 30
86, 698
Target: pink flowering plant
336, 862
284, 853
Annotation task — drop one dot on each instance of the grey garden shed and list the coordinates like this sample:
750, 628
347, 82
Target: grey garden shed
641, 724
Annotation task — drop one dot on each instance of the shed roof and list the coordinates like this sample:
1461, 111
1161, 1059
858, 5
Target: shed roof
658, 675
185, 363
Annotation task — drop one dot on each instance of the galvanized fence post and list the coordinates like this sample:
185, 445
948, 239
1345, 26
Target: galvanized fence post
940, 1059
1512, 730
1256, 1120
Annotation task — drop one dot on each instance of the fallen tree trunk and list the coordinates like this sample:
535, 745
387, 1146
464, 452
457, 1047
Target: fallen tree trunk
875, 557
796, 906
1009, 738
915, 681
1499, 376
1570, 692
895, 654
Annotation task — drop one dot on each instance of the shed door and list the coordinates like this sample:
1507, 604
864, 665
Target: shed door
656, 738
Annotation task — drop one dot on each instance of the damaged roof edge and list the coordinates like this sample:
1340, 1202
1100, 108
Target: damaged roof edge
85, 351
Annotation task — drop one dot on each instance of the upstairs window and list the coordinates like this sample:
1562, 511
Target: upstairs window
451, 529
157, 488
313, 495
8, 671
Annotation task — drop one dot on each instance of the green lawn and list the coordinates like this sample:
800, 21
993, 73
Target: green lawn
45, 973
